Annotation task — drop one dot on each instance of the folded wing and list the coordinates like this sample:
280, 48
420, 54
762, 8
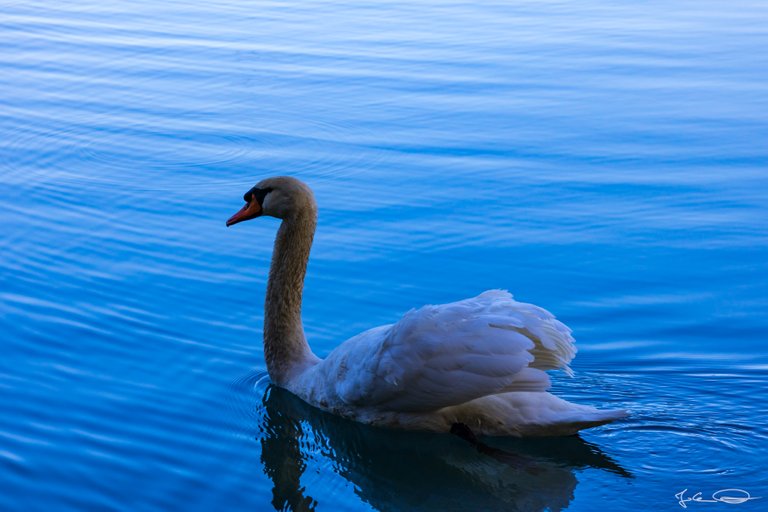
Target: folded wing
439, 356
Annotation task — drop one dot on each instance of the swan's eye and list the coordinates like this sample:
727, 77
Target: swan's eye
256, 193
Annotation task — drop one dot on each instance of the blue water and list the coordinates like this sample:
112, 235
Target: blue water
605, 160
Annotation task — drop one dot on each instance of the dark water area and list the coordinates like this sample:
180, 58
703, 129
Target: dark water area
606, 161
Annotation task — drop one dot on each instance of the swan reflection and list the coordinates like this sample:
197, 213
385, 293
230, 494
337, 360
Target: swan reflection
396, 470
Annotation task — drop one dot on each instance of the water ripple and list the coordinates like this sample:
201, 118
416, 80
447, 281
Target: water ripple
611, 172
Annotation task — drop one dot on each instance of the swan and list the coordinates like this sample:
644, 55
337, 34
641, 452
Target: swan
479, 363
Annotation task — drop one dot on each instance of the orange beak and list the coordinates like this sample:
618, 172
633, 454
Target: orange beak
249, 211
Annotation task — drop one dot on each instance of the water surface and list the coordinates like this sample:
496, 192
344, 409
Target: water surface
606, 161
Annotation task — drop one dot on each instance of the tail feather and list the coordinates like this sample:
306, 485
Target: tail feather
530, 413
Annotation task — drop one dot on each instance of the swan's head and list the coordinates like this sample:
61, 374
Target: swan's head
280, 197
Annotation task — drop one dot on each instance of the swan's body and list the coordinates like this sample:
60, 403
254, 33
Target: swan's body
480, 361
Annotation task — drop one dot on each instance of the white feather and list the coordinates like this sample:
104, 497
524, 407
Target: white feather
479, 361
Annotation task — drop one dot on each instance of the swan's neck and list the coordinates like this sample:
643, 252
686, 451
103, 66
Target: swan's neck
285, 348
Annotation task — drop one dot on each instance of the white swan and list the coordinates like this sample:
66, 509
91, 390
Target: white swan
479, 362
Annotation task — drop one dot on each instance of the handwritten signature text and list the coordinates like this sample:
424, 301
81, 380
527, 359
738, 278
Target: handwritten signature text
731, 496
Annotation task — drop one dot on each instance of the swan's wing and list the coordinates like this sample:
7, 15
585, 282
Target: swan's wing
445, 355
